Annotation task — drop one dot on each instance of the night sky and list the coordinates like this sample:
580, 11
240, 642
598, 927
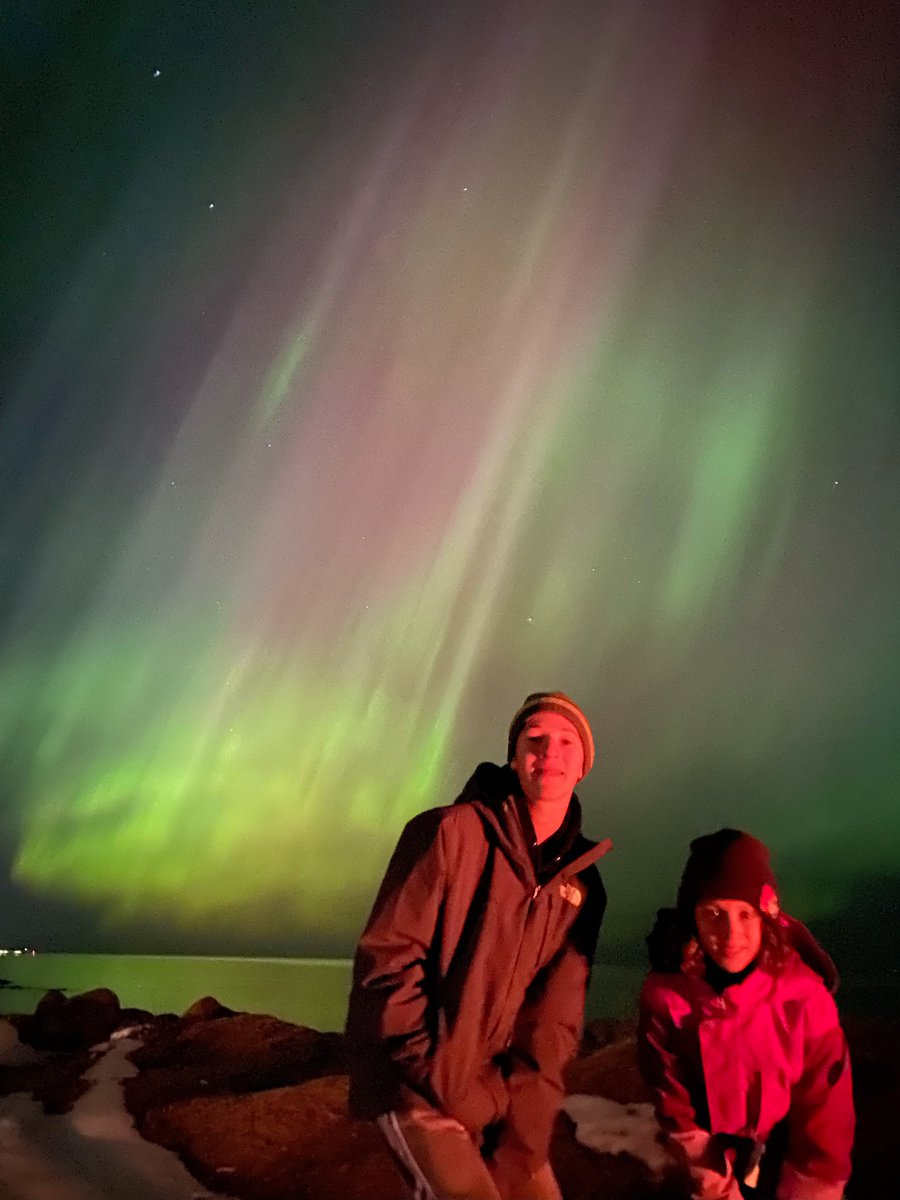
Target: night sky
366, 366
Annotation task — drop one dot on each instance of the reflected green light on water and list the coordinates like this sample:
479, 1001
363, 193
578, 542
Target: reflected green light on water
305, 991
311, 992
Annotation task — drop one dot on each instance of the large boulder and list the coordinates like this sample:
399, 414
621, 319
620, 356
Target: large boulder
207, 1008
293, 1143
235, 1054
54, 1080
609, 1069
61, 1023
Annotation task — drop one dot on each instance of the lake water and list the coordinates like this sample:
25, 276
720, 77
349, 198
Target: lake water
306, 991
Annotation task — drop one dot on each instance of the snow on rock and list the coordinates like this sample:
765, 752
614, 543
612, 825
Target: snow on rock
92, 1152
611, 1128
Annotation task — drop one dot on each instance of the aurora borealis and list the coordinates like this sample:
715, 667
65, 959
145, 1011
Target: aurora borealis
368, 366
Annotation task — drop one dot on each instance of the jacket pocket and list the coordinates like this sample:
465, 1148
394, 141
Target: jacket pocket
483, 1102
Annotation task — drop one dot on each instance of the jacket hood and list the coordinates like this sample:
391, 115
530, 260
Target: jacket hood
491, 788
489, 784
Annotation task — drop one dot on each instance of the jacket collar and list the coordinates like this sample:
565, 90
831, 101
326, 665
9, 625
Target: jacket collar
737, 997
494, 791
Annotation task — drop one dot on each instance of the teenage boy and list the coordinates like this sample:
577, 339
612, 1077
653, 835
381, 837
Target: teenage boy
470, 977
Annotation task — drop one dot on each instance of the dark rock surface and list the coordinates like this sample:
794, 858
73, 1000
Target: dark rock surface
76, 1023
65, 1031
294, 1143
258, 1107
235, 1054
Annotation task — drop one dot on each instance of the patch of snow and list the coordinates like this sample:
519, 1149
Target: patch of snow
610, 1128
92, 1152
129, 1031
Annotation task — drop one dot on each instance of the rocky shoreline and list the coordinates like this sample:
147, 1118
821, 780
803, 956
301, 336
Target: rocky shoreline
256, 1107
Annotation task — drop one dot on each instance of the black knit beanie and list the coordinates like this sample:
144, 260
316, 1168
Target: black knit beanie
557, 702
728, 865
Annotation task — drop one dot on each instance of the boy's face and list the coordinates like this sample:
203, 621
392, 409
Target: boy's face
730, 932
549, 757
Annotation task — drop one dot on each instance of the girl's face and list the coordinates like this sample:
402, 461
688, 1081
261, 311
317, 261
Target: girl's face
730, 932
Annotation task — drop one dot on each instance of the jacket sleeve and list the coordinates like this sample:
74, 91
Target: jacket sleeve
694, 1150
546, 1037
393, 1013
821, 1119
389, 1022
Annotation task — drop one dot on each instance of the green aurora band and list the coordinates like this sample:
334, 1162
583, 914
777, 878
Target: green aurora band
566, 357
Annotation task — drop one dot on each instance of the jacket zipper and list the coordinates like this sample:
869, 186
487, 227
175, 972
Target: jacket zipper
572, 868
515, 972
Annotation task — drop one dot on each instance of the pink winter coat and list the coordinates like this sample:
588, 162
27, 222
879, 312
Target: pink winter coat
738, 1063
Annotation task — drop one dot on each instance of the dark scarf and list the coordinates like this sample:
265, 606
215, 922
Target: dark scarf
719, 980
550, 854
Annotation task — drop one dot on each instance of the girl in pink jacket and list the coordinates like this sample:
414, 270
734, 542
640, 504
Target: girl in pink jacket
739, 1038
